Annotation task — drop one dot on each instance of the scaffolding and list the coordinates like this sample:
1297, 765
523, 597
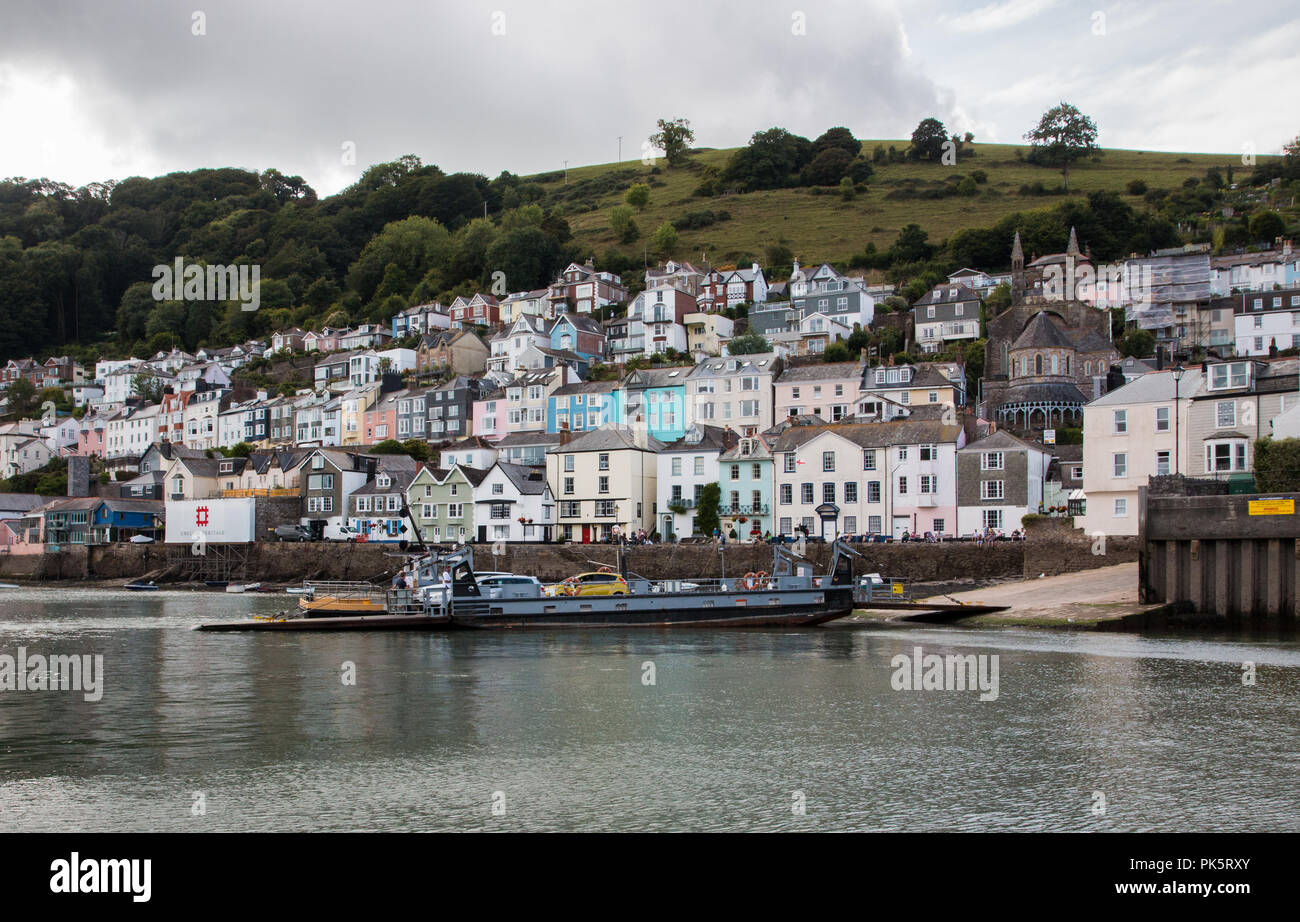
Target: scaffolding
217, 563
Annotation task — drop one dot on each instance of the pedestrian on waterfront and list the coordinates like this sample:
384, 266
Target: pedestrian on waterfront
399, 580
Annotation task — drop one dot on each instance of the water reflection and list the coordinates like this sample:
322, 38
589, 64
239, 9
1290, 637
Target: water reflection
565, 726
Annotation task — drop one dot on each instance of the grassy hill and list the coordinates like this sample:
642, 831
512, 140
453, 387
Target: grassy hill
821, 227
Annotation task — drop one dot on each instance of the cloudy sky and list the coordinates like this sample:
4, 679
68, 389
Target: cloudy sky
103, 89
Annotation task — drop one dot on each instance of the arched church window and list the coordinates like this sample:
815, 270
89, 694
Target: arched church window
1055, 364
1038, 364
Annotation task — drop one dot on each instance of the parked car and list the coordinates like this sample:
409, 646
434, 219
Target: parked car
141, 539
601, 583
291, 533
510, 585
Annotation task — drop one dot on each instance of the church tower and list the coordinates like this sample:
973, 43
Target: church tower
1017, 270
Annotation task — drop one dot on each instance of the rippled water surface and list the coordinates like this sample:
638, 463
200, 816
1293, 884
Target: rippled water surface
561, 729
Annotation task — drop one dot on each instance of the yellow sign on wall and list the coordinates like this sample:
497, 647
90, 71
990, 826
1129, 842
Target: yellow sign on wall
1272, 507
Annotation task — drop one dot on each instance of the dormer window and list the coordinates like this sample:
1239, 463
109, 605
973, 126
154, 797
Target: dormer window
1229, 375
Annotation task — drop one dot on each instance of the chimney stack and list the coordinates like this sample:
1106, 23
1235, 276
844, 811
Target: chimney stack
564, 433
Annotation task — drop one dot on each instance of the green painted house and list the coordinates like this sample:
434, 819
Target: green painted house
442, 503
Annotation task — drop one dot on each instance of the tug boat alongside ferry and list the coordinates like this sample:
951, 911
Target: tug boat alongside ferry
792, 595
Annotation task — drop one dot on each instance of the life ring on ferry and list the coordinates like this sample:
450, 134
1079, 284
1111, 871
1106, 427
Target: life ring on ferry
760, 580
748, 581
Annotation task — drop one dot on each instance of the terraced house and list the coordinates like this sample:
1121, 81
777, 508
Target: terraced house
656, 399
376, 507
685, 468
604, 479
745, 479
829, 391
514, 503
584, 405
450, 407
886, 478
734, 391
1000, 480
520, 405
327, 478
442, 502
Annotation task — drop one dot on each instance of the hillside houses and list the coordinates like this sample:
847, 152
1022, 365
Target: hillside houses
545, 422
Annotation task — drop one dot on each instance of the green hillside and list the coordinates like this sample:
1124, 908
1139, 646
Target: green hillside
818, 226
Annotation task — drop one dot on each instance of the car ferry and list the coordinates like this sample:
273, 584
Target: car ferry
790, 595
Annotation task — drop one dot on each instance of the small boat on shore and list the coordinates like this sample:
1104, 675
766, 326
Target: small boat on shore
150, 586
243, 587
216, 583
791, 596
9, 586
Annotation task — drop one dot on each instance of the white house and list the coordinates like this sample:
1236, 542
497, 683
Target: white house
130, 431
514, 503
684, 468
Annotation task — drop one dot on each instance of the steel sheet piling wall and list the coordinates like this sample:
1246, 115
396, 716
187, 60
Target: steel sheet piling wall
1230, 556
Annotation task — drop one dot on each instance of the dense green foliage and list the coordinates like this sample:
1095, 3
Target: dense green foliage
706, 513
1277, 465
77, 265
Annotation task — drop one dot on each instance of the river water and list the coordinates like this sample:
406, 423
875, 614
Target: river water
740, 730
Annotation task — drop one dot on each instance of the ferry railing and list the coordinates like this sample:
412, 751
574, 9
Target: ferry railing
340, 589
756, 582
403, 602
883, 590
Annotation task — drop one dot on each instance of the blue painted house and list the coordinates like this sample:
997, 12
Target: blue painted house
745, 477
579, 334
98, 520
657, 397
584, 405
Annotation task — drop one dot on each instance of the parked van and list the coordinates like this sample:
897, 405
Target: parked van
291, 533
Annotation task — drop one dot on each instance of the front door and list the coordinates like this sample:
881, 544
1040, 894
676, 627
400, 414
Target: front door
482, 533
902, 523
586, 534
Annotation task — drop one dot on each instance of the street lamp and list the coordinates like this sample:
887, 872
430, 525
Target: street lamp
1178, 372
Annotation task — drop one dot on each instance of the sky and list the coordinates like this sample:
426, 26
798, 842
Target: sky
106, 89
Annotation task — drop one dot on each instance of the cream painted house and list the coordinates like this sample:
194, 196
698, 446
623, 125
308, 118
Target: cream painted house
1129, 435
603, 479
352, 412
708, 332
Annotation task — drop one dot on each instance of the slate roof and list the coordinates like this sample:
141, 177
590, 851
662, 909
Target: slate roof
1045, 392
519, 439
1041, 333
820, 371
529, 481
712, 438
20, 502
608, 438
1155, 387
586, 387
1001, 440
873, 435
